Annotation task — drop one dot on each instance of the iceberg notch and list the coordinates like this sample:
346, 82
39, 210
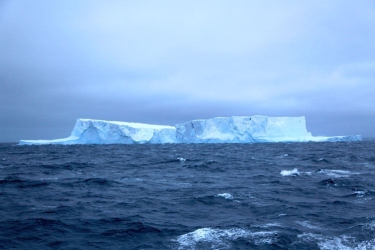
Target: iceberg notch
235, 129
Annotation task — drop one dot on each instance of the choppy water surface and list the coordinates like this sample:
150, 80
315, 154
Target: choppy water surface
208, 196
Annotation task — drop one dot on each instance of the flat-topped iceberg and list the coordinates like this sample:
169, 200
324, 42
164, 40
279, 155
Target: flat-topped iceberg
235, 129
238, 129
88, 131
247, 129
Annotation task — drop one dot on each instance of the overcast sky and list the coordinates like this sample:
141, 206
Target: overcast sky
166, 62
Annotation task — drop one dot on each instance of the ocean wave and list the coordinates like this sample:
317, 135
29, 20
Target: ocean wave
181, 159
336, 173
227, 196
209, 238
343, 242
293, 172
143, 196
309, 225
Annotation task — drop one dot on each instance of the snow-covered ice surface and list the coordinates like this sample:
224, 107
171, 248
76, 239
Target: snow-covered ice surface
235, 129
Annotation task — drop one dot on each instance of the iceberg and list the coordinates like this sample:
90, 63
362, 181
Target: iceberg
248, 129
88, 131
235, 129
243, 129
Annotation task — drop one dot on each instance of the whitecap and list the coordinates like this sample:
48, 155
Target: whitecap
370, 225
218, 238
293, 172
342, 242
308, 224
360, 193
273, 224
227, 196
181, 159
129, 180
337, 173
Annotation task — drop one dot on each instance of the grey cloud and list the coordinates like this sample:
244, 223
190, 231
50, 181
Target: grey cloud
167, 62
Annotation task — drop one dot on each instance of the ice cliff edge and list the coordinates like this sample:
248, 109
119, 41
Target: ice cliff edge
235, 129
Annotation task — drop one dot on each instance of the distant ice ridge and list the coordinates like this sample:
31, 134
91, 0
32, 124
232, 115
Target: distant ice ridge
235, 129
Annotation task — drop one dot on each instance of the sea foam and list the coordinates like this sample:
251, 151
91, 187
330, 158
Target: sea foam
293, 172
342, 242
336, 172
222, 238
227, 196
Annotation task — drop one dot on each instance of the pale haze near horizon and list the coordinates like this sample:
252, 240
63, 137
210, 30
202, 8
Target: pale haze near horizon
165, 62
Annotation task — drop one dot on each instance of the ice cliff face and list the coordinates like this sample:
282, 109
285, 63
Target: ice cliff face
235, 129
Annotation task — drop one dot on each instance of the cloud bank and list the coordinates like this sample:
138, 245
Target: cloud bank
167, 62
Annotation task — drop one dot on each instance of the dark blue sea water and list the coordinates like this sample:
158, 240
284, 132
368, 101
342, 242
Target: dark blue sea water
207, 196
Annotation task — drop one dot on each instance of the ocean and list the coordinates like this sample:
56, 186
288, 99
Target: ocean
188, 196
